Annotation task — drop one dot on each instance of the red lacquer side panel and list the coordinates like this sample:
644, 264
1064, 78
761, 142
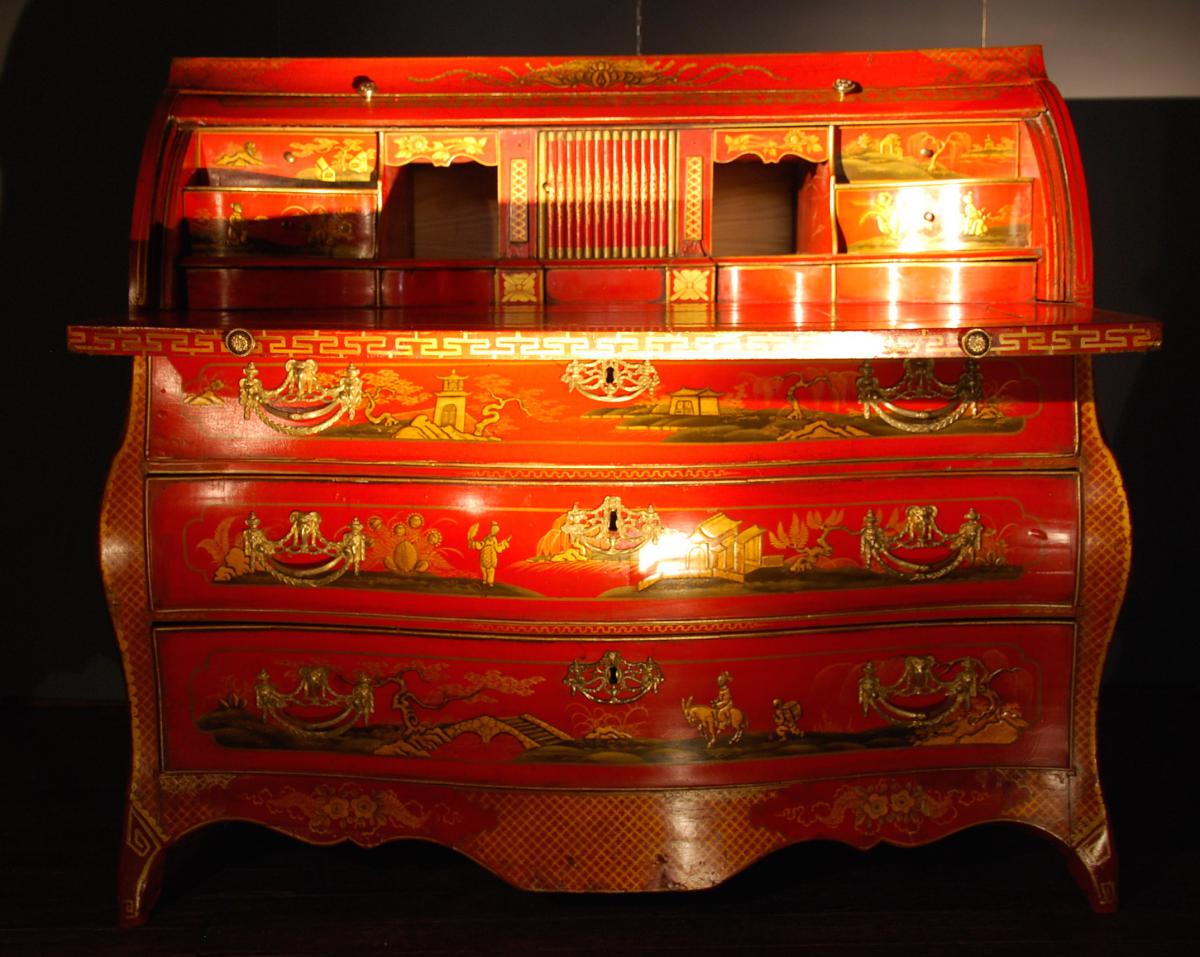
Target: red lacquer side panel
1063, 170
578, 553
748, 415
693, 223
518, 194
575, 713
162, 137
123, 564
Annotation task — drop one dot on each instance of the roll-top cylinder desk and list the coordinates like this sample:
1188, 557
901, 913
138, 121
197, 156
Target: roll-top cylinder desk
613, 469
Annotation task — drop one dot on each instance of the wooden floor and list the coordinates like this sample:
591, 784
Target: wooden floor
240, 889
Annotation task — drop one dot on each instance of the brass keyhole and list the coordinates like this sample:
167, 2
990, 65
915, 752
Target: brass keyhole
610, 375
614, 675
612, 520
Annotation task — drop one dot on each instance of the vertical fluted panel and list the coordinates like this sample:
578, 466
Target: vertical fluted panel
608, 194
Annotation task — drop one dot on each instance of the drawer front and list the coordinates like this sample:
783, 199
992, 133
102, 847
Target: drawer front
661, 414
696, 711
779, 282
282, 288
332, 223
928, 151
940, 282
949, 216
257, 158
535, 551
592, 285
436, 287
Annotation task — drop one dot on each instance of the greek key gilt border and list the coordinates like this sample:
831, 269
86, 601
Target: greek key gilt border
584, 344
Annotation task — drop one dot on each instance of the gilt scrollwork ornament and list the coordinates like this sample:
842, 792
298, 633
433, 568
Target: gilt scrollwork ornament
611, 380
611, 679
301, 404
918, 386
304, 556
440, 151
772, 146
602, 74
313, 693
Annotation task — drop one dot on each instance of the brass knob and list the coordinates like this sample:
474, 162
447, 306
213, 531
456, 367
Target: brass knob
929, 217
844, 86
976, 343
365, 87
239, 342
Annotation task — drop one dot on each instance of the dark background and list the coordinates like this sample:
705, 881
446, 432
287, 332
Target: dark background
76, 94
78, 86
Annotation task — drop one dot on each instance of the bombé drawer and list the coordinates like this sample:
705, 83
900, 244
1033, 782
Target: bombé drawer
552, 553
299, 158
703, 710
609, 414
252, 222
953, 215
913, 151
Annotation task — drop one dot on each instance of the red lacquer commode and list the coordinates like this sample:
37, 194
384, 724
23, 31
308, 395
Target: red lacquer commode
615, 469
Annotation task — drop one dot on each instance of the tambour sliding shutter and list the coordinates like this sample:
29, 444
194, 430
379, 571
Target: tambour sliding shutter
607, 194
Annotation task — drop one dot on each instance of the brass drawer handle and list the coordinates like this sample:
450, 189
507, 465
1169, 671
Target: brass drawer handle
304, 540
963, 687
893, 550
300, 405
919, 384
313, 691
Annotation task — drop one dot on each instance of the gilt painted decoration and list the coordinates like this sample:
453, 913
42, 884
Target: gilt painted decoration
693, 711
583, 407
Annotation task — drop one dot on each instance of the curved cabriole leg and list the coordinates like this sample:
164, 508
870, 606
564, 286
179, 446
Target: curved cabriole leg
1106, 557
140, 870
122, 562
1094, 866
